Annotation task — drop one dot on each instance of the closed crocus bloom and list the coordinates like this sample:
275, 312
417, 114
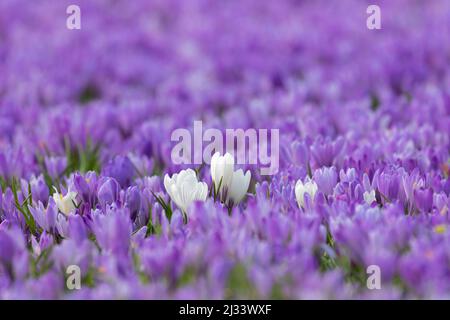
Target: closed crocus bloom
121, 169
13, 253
76, 228
441, 203
222, 169
81, 185
388, 184
309, 187
239, 186
326, 179
39, 189
300, 153
108, 192
112, 231
423, 199
67, 203
133, 201
184, 188
325, 151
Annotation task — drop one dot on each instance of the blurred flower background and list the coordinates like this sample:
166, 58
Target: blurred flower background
85, 123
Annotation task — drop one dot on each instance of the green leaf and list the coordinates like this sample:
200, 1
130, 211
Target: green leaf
23, 207
164, 205
82, 159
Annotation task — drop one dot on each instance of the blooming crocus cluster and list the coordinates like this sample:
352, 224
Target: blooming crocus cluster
183, 187
86, 171
230, 185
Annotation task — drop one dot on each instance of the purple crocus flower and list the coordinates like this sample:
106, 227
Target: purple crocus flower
121, 169
113, 230
371, 153
326, 179
13, 254
388, 184
108, 192
423, 199
45, 217
39, 189
133, 201
55, 166
76, 228
45, 241
326, 152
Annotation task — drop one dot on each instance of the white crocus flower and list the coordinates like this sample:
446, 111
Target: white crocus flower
230, 185
239, 186
66, 204
369, 197
222, 169
184, 188
309, 187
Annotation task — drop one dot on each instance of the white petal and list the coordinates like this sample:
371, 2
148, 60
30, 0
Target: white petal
183, 188
239, 186
214, 160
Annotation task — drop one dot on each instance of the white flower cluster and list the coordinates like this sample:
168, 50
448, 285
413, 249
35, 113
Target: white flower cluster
229, 185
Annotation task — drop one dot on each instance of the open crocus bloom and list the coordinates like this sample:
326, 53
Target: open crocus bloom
184, 188
230, 185
369, 197
66, 204
309, 187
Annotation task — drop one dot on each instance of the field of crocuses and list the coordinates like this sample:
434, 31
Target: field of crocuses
89, 186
